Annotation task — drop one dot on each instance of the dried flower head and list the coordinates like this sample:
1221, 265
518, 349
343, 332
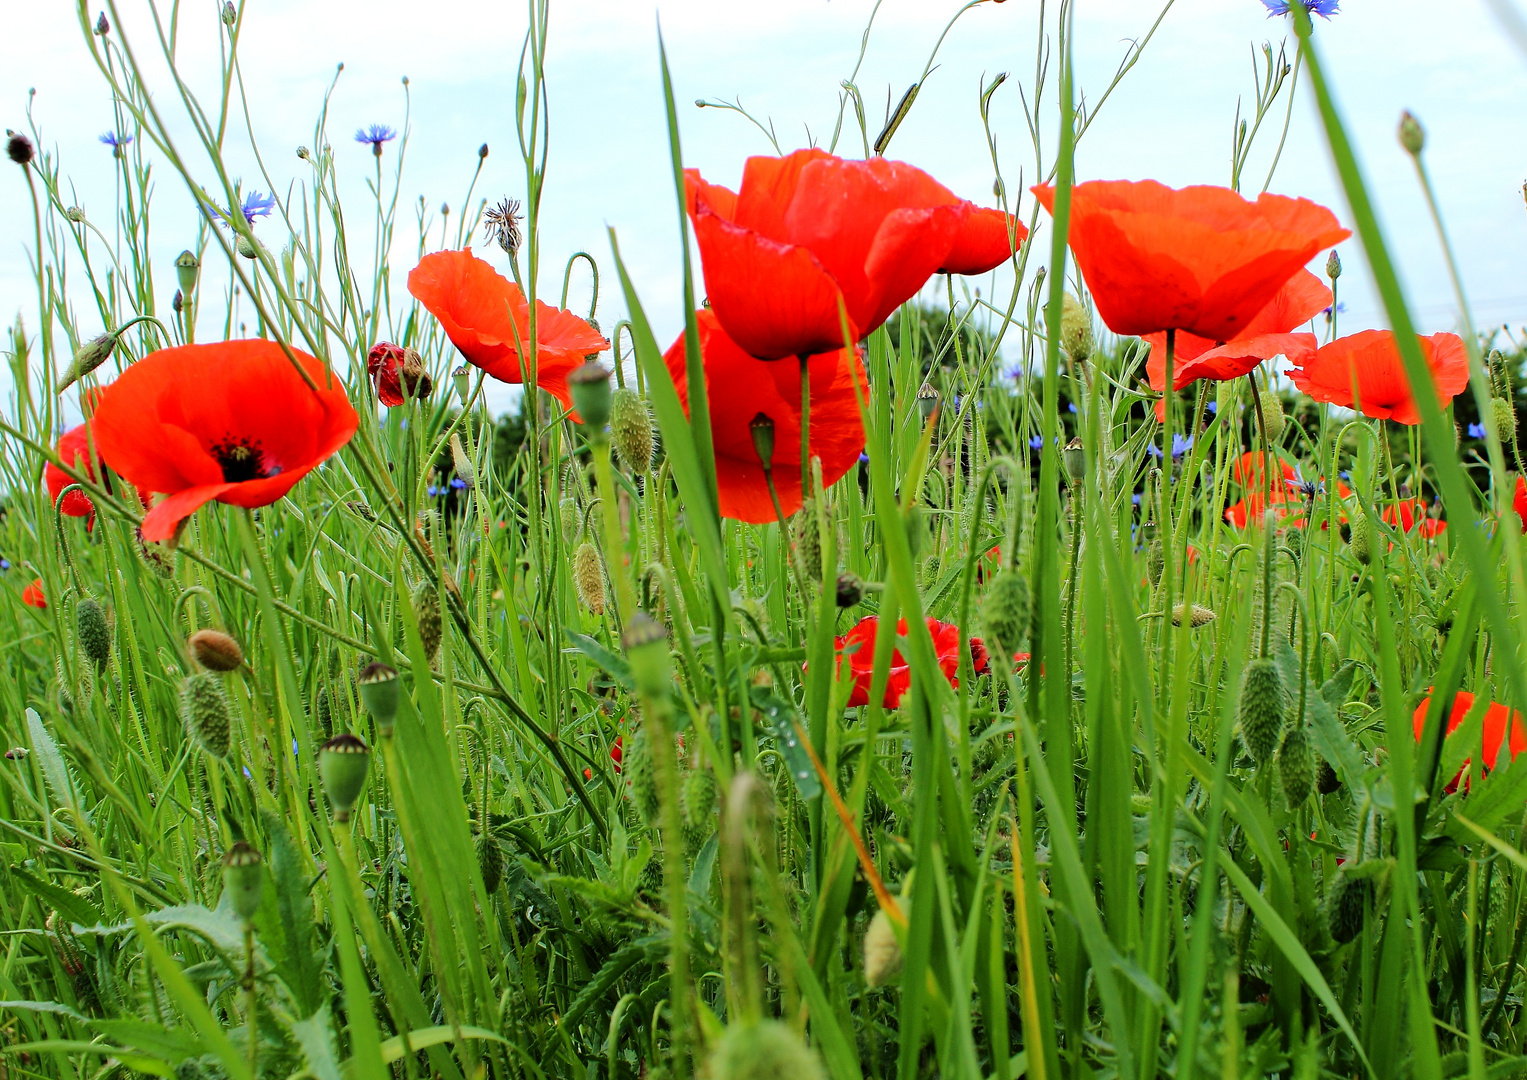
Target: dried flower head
18, 147
504, 225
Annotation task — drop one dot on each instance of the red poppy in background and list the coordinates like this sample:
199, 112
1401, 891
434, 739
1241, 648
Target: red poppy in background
741, 387
1269, 334
486, 317
73, 450
397, 373
617, 752
807, 232
32, 595
1200, 259
1410, 514
1494, 731
946, 647
1289, 494
1371, 360
1519, 501
231, 421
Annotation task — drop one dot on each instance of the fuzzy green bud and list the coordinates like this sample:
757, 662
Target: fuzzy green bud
92, 632
765, 1050
243, 879
1503, 413
588, 577
699, 808
87, 358
646, 646
490, 861
1262, 708
882, 952
1076, 329
215, 650
431, 625
589, 387
1155, 561
1195, 615
204, 712
1006, 611
1296, 765
1361, 535
1412, 134
249, 249
1326, 780
571, 520
631, 429
1346, 905
342, 763
378, 686
1333, 266
461, 462
808, 541
641, 775
761, 427
1273, 415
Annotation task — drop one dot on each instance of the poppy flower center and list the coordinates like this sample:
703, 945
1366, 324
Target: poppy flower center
242, 460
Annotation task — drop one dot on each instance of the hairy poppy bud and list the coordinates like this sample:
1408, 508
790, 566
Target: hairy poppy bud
1155, 561
1076, 329
1196, 615
490, 861
1005, 612
18, 147
378, 685
215, 650
631, 429
187, 271
1345, 906
882, 952
639, 771
699, 808
1273, 415
87, 358
462, 462
761, 427
1074, 457
1326, 780
763, 1050
646, 646
1504, 416
571, 520
342, 765
588, 577
92, 631
1296, 765
927, 401
427, 612
1262, 708
850, 590
1361, 538
1333, 266
204, 712
808, 542
244, 879
1412, 135
589, 385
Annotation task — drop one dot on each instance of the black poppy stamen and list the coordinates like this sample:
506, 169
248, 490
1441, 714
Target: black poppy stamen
242, 460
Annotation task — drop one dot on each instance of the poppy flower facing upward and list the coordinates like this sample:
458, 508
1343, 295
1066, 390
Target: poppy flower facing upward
397, 373
1493, 732
741, 387
1269, 334
861, 663
486, 317
73, 450
231, 422
1364, 371
1200, 259
32, 595
807, 231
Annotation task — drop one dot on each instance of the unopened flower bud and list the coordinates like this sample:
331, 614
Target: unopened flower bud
631, 429
178, 302
462, 462
1360, 538
378, 685
244, 879
93, 632
246, 247
204, 712
882, 952
1196, 615
588, 577
646, 646
427, 613
75, 214
18, 147
215, 650
761, 427
230, 13
1504, 417
342, 763
1412, 135
850, 590
102, 27
87, 358
1333, 266
1262, 708
764, 1048
490, 861
589, 386
1006, 611
482, 151
1076, 329
1345, 906
1296, 766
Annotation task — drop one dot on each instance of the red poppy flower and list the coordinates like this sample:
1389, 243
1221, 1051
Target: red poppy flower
32, 595
1369, 363
397, 373
73, 450
740, 388
231, 421
485, 316
1268, 335
1288, 495
946, 647
1494, 731
808, 231
617, 754
1519, 501
1200, 259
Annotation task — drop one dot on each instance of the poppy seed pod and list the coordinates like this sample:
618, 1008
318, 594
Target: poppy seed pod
637, 767
427, 613
461, 379
1345, 906
1261, 708
215, 650
490, 861
1076, 329
762, 429
244, 879
92, 632
378, 686
764, 1050
1333, 266
631, 429
589, 385
1273, 415
342, 763
187, 270
204, 712
882, 952
87, 358
646, 646
1074, 457
1412, 134
1296, 765
588, 577
927, 401
1006, 611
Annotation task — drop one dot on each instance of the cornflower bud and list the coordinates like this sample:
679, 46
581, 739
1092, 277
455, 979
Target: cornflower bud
178, 302
230, 14
102, 26
378, 685
1333, 266
1296, 765
588, 577
244, 879
342, 763
482, 152
1412, 135
75, 214
215, 650
631, 429
1261, 708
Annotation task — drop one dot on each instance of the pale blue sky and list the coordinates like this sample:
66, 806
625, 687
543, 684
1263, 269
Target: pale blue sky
1171, 119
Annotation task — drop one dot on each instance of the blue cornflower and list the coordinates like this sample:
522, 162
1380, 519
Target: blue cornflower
458, 483
1180, 446
376, 135
1036, 442
118, 143
1339, 308
257, 205
1071, 407
1135, 498
1476, 431
864, 458
431, 491
1214, 407
5, 564
1324, 8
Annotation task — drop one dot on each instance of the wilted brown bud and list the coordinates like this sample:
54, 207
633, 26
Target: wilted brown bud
215, 650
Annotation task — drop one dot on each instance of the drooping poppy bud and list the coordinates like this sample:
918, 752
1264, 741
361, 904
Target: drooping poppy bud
762, 429
1006, 611
1076, 330
1262, 708
244, 879
249, 249
204, 712
808, 542
1273, 415
462, 462
490, 861
1504, 416
342, 763
215, 650
638, 769
93, 632
378, 685
588, 577
1296, 765
1326, 780
1346, 905
87, 358
631, 429
427, 614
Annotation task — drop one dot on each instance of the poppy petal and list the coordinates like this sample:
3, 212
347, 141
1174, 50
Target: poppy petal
161, 522
988, 239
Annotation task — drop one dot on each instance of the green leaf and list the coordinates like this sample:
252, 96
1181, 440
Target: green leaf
54, 769
315, 1036
612, 665
780, 717
300, 968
